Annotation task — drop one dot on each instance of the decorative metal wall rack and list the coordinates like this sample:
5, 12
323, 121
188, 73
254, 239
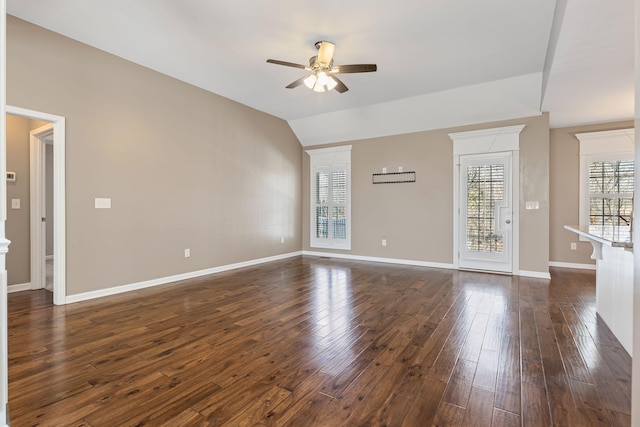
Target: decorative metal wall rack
394, 177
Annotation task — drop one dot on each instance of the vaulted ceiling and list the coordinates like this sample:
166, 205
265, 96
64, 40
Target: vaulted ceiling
440, 63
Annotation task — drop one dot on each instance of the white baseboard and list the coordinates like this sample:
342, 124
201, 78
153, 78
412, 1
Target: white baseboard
525, 273
164, 280
19, 287
535, 274
572, 265
378, 259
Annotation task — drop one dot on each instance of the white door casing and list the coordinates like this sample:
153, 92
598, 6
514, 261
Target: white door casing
59, 197
485, 142
37, 183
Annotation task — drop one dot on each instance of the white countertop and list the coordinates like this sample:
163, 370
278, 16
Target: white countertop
615, 236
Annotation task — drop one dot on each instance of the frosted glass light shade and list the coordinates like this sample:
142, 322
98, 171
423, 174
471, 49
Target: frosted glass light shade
310, 81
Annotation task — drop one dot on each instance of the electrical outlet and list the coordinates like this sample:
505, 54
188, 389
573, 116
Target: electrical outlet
187, 253
384, 242
574, 246
282, 239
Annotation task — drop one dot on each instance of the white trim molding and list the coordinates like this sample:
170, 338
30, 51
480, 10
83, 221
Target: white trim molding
446, 266
4, 243
169, 279
606, 142
379, 259
535, 274
572, 265
483, 141
59, 197
19, 287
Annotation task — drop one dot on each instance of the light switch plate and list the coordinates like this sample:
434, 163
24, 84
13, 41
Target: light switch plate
532, 205
15, 203
102, 203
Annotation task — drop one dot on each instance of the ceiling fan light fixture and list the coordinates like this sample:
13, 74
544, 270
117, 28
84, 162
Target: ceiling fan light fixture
322, 70
323, 79
325, 53
319, 88
310, 81
331, 83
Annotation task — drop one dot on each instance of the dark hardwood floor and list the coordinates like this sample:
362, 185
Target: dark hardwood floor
318, 342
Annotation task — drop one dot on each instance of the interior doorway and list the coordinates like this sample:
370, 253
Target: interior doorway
51, 134
41, 142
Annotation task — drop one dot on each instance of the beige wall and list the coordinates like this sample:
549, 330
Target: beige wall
18, 220
417, 218
565, 192
17, 225
184, 168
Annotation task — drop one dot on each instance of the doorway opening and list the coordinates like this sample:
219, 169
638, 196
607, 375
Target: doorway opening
53, 135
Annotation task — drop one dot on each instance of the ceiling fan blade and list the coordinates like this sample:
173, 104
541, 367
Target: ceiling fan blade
286, 64
355, 68
296, 83
325, 53
340, 87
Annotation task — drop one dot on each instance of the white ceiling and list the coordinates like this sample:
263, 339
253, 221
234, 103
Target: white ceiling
440, 63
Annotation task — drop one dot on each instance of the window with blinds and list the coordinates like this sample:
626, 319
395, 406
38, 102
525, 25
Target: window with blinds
331, 204
611, 192
485, 188
330, 198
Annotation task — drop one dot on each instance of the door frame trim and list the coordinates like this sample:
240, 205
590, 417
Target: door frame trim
487, 141
59, 198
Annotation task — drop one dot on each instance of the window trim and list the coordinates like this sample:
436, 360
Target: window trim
329, 159
603, 146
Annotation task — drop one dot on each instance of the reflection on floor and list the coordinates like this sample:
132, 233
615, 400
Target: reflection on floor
309, 341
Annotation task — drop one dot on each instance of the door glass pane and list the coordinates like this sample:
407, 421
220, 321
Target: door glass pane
485, 188
322, 222
339, 222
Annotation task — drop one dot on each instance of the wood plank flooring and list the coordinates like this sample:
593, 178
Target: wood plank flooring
318, 342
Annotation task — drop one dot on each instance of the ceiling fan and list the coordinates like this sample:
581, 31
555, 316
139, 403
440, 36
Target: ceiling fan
323, 72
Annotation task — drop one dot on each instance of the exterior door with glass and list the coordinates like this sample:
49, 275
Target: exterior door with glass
486, 213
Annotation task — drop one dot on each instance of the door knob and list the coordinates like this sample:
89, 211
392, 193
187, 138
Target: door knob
508, 221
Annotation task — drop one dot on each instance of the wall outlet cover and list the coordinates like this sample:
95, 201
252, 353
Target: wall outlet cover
102, 203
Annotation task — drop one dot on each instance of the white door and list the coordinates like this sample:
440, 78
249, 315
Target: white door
37, 191
486, 214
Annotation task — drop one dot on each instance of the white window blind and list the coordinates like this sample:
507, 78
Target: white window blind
611, 192
331, 197
485, 189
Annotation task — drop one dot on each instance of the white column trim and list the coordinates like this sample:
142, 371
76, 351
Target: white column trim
4, 243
